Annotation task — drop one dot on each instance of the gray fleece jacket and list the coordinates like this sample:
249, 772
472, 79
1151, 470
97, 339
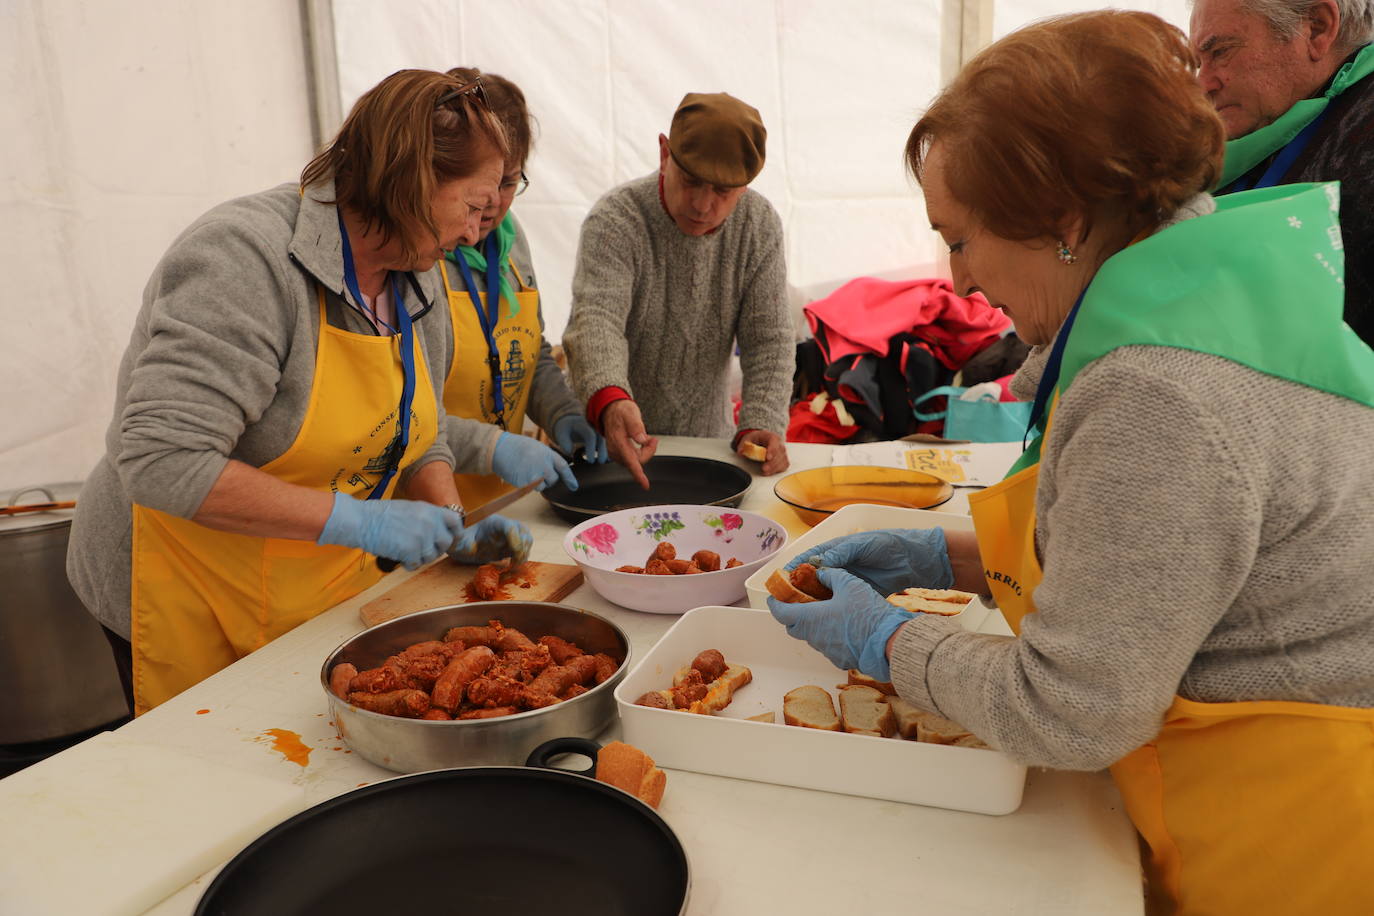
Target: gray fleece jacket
1204, 530
657, 312
220, 366
550, 397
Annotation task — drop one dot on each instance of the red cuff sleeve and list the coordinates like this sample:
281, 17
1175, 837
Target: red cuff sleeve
603, 399
739, 434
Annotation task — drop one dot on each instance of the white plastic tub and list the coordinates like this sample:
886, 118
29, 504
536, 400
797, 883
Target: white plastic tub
965, 779
856, 518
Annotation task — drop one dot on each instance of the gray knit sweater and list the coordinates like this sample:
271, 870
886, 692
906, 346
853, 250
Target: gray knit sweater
220, 365
657, 312
1204, 530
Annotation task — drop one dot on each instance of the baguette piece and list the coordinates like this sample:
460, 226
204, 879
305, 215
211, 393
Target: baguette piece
628, 768
945, 602
722, 690
864, 712
781, 588
810, 707
753, 451
915, 724
858, 677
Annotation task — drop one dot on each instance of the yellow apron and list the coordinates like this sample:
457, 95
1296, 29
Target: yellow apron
1235, 800
467, 390
202, 599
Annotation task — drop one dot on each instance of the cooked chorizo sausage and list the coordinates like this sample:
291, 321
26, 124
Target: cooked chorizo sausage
733, 563
682, 567
378, 680
522, 664
496, 691
657, 567
420, 649
473, 636
637, 570
339, 678
421, 672
453, 683
560, 649
805, 579
434, 713
409, 704
664, 551
486, 582
492, 713
584, 668
605, 666
707, 560
556, 679
655, 700
711, 664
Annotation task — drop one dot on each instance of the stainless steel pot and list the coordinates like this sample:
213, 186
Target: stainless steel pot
416, 745
55, 665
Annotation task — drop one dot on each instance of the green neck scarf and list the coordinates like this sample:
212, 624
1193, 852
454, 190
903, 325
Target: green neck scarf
505, 241
1245, 153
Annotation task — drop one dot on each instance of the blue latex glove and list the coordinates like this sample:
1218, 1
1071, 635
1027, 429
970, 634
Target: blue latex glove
405, 530
493, 538
520, 459
889, 559
851, 629
574, 434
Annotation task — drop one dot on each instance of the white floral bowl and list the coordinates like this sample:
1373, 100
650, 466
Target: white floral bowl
627, 538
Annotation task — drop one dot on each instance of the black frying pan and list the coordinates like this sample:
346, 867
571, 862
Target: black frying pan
673, 480
476, 840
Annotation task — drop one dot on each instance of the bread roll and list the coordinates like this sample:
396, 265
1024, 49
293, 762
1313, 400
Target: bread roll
945, 602
810, 707
753, 451
628, 768
864, 712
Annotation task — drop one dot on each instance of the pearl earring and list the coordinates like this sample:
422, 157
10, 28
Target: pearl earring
1065, 254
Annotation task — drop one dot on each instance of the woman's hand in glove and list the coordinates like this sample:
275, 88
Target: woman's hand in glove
518, 460
888, 559
851, 629
405, 530
492, 539
573, 434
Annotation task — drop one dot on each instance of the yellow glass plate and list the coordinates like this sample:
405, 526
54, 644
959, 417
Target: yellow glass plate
816, 493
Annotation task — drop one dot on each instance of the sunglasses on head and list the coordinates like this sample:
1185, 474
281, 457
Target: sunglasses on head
473, 88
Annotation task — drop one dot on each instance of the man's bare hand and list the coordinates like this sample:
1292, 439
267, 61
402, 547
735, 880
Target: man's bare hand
776, 461
629, 444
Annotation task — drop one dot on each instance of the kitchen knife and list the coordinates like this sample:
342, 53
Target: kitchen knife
486, 510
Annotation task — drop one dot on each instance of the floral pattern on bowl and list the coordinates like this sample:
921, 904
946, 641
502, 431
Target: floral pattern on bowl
627, 537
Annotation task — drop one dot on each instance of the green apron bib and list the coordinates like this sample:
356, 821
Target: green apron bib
1260, 282
1244, 153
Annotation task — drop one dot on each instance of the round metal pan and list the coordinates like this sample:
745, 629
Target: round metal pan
476, 840
673, 480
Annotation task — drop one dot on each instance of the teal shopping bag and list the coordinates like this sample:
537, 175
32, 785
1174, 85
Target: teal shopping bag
984, 420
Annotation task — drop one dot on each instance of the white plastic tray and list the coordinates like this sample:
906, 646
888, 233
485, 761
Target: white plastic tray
965, 779
851, 519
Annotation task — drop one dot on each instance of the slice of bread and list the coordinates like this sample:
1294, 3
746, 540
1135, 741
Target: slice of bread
971, 741
628, 768
945, 602
753, 451
858, 677
915, 724
781, 588
722, 690
767, 716
810, 707
864, 712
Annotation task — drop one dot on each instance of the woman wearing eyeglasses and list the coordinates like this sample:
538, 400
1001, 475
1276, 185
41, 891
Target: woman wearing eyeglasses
281, 393
503, 368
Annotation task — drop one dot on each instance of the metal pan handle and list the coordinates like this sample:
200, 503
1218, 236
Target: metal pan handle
554, 747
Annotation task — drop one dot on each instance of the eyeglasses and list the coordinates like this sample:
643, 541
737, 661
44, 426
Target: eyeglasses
473, 88
520, 185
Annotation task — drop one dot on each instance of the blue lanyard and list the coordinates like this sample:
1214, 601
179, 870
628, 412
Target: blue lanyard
488, 319
1050, 378
397, 449
1284, 160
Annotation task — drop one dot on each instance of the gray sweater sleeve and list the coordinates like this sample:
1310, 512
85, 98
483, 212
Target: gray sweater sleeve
1138, 570
766, 338
216, 343
602, 295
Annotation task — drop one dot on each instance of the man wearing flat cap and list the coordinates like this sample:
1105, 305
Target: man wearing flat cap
674, 269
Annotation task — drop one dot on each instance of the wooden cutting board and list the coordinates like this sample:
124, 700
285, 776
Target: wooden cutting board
446, 583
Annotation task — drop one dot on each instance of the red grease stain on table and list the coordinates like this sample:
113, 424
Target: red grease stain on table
288, 744
201, 712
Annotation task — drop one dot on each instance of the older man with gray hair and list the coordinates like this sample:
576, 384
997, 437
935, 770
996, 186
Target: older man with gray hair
1291, 82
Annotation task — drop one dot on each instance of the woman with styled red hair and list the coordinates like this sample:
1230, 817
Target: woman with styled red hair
1182, 550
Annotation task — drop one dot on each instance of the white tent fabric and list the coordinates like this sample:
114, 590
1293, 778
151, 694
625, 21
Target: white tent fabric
134, 120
